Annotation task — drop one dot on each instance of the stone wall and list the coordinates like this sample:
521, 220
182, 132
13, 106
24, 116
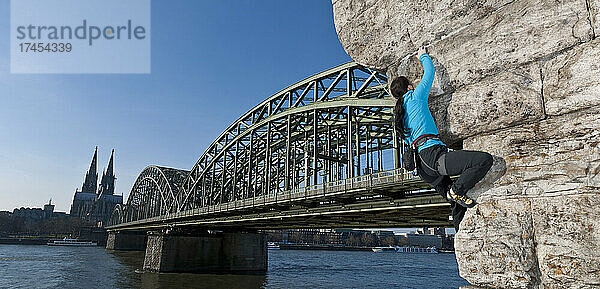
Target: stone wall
203, 253
521, 80
126, 241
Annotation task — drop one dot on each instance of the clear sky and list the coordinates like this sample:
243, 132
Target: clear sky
211, 62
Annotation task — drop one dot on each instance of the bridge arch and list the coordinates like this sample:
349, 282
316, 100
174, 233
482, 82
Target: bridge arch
331, 132
116, 217
153, 193
315, 131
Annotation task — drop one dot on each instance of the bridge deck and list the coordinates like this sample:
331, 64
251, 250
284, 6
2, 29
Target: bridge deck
392, 198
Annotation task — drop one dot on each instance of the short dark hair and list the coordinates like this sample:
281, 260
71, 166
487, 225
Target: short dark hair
399, 87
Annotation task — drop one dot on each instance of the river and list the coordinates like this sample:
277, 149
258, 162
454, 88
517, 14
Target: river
93, 267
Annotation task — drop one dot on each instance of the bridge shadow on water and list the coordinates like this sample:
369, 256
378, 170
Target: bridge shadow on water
135, 277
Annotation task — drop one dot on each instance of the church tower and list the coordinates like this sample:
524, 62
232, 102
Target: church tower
96, 203
107, 183
91, 178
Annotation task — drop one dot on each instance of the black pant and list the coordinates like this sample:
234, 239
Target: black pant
470, 166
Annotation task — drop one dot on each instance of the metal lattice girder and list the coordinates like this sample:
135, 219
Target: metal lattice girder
116, 217
153, 194
332, 127
289, 139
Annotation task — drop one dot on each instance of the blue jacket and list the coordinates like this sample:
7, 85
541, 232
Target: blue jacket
417, 116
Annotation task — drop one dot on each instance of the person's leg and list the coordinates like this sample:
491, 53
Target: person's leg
458, 213
470, 165
443, 187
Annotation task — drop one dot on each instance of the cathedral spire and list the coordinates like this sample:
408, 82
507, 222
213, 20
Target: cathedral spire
109, 170
107, 183
91, 178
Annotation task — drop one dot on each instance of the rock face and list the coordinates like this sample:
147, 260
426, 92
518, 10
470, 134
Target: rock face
521, 80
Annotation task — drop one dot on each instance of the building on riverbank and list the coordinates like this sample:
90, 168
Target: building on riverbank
95, 203
426, 237
429, 237
37, 222
37, 214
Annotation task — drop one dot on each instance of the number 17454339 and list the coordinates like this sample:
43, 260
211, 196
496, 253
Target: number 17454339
46, 47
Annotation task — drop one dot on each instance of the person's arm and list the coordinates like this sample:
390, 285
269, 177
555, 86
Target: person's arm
422, 90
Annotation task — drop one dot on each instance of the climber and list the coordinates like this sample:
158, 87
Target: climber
434, 163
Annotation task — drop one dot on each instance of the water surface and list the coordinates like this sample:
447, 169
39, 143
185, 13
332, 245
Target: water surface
93, 267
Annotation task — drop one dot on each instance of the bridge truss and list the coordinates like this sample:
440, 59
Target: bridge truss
325, 141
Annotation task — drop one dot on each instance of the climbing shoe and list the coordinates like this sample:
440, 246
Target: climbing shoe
461, 200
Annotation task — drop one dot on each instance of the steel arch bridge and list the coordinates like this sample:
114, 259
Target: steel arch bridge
321, 152
153, 194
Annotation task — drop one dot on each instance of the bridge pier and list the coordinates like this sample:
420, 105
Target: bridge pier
126, 241
238, 252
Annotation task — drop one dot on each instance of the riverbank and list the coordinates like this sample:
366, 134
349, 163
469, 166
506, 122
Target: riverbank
327, 247
333, 247
24, 241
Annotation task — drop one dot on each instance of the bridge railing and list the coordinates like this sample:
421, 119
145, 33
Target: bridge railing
395, 176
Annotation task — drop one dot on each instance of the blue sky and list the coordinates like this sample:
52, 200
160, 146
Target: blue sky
211, 62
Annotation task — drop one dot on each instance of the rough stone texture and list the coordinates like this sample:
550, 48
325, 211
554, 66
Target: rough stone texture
470, 41
553, 168
521, 80
518, 33
556, 155
509, 98
569, 84
126, 241
513, 245
522, 242
485, 34
506, 99
567, 233
594, 8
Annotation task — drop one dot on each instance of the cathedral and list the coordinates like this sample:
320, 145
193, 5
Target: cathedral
95, 203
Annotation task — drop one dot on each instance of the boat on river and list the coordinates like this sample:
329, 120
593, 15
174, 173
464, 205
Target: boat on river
385, 249
72, 242
396, 249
